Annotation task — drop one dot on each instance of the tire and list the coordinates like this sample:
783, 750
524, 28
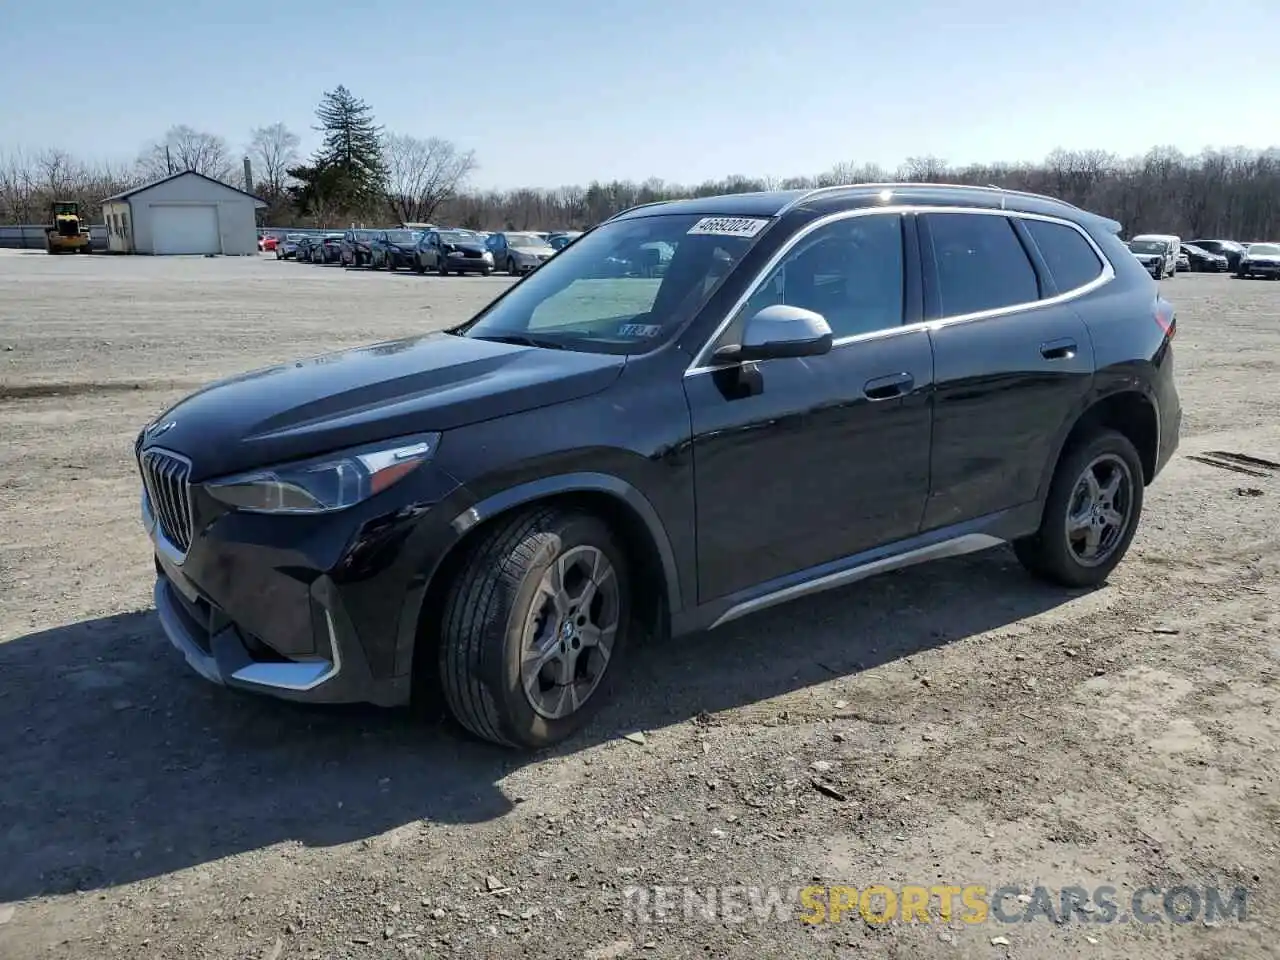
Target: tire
485, 271
497, 594
512, 269
1050, 553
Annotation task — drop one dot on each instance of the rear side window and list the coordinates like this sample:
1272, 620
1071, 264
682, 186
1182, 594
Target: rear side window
1070, 257
981, 264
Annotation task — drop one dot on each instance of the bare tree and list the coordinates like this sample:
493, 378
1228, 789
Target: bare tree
423, 174
184, 148
273, 150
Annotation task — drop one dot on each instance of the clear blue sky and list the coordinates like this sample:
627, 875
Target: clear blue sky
550, 92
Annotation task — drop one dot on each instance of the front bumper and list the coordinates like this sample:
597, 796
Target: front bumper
1261, 269
468, 264
225, 656
316, 614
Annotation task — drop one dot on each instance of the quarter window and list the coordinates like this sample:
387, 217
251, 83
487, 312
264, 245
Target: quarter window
981, 264
1069, 256
850, 271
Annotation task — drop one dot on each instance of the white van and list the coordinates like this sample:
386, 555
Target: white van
1169, 245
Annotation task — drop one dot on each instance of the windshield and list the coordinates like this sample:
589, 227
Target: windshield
1264, 250
402, 236
613, 292
457, 236
294, 236
1147, 246
363, 234
524, 240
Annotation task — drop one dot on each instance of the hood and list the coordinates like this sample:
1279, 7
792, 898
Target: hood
541, 251
468, 246
428, 383
1148, 256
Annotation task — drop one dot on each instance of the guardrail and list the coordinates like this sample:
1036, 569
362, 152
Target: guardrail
30, 236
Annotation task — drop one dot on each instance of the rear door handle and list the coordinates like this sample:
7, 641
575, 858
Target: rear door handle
886, 388
1064, 349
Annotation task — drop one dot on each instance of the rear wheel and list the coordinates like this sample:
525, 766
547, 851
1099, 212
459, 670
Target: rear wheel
1090, 515
534, 628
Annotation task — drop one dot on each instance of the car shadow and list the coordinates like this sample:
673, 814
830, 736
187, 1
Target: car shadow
120, 764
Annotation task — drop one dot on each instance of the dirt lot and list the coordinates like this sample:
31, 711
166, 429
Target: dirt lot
968, 725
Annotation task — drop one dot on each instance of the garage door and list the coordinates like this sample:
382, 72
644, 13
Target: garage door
185, 229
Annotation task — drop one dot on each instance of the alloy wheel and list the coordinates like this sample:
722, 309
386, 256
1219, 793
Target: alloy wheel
569, 634
1099, 510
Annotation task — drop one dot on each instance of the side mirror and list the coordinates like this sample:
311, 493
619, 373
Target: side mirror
780, 331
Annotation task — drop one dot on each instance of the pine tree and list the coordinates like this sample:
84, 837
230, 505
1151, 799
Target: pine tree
352, 147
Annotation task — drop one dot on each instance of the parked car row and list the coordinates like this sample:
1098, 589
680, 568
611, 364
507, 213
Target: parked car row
441, 250
1165, 256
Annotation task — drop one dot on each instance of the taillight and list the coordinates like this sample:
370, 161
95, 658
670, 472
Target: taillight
1165, 317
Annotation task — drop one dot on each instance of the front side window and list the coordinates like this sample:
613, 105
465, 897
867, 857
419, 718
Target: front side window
1069, 256
980, 263
601, 293
850, 271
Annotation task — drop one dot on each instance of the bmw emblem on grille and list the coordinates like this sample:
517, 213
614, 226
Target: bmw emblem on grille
158, 428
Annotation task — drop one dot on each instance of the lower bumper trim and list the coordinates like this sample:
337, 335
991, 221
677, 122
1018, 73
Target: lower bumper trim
229, 663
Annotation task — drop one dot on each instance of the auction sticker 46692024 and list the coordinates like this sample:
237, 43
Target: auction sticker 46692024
728, 227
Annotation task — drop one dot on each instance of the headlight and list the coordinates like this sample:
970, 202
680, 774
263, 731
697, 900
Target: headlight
325, 484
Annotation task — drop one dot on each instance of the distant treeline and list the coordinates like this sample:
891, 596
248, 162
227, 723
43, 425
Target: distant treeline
1219, 193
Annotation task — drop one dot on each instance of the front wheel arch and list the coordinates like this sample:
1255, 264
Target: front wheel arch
656, 591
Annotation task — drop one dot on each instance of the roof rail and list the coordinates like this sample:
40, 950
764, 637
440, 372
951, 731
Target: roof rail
816, 191
638, 206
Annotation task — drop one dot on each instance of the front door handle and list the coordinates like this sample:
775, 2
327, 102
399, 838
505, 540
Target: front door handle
886, 388
1064, 349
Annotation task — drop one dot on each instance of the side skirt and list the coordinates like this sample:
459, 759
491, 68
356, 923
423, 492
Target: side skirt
951, 541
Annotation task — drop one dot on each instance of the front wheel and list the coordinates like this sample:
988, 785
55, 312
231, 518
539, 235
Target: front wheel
1090, 515
534, 627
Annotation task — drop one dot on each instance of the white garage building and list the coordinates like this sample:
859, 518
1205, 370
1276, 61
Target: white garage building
183, 213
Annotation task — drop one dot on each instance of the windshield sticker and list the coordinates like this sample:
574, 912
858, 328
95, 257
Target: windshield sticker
646, 330
727, 227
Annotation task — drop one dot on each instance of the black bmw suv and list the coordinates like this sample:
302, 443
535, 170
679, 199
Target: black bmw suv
822, 385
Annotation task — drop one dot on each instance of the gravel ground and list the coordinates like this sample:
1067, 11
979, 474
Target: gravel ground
952, 724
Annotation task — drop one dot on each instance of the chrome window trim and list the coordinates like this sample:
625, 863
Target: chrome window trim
699, 364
